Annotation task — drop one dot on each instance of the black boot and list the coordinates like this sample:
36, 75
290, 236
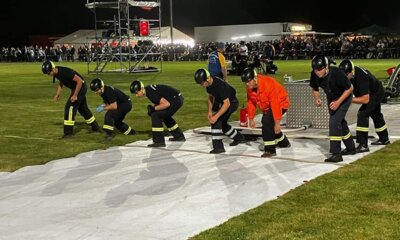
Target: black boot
362, 148
68, 132
95, 127
177, 135
381, 142
177, 139
334, 158
349, 151
239, 138
132, 132
157, 144
268, 154
109, 135
108, 138
217, 151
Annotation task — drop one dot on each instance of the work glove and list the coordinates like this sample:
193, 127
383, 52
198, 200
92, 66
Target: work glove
100, 108
150, 109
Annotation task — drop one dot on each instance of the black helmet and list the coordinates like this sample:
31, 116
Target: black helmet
248, 74
318, 62
96, 84
346, 66
136, 86
201, 76
47, 67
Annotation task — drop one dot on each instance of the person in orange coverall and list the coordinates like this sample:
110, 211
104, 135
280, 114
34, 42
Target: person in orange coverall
272, 99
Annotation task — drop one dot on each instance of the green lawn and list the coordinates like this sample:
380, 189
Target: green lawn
29, 112
359, 201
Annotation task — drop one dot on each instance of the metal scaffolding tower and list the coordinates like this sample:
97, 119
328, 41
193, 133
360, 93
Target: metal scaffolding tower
119, 45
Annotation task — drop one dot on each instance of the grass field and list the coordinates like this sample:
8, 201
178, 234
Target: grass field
359, 201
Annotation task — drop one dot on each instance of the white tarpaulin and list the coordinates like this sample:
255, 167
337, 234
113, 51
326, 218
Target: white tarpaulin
135, 192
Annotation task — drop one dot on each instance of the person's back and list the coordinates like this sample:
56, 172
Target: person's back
221, 90
360, 87
368, 92
112, 94
155, 92
66, 75
270, 94
216, 62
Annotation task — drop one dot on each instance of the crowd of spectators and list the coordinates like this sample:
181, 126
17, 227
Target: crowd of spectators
287, 48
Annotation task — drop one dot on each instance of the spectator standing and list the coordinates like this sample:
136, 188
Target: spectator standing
216, 62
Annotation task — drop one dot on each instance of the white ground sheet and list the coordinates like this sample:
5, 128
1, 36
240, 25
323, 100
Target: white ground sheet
135, 192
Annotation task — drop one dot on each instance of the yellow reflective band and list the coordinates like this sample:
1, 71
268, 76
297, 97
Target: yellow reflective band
69, 123
173, 127
157, 129
347, 136
335, 138
90, 120
362, 129
281, 138
142, 87
207, 73
52, 65
71, 108
381, 129
269, 143
128, 131
108, 127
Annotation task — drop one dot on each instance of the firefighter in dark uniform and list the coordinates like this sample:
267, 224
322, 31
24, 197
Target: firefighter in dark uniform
273, 100
167, 101
77, 100
117, 104
222, 102
369, 92
338, 90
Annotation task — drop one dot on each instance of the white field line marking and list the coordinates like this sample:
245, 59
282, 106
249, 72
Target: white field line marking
33, 138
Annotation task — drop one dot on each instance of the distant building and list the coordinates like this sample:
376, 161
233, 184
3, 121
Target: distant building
251, 32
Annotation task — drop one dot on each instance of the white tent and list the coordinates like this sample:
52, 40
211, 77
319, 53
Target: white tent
86, 36
78, 38
178, 36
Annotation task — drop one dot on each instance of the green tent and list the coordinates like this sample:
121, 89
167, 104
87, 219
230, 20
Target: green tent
374, 30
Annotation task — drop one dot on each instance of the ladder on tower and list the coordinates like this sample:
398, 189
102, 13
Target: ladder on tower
115, 45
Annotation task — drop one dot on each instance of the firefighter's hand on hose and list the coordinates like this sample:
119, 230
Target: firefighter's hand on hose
213, 119
150, 109
56, 97
74, 98
100, 108
334, 105
251, 123
318, 102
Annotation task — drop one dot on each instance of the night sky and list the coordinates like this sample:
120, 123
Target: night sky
21, 18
